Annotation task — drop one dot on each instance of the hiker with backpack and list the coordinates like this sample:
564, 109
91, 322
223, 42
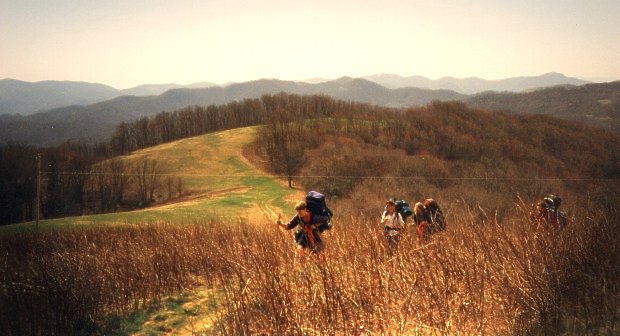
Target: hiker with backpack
422, 220
548, 214
308, 235
428, 218
393, 223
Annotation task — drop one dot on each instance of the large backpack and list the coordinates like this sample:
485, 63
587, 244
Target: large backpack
439, 221
403, 209
316, 205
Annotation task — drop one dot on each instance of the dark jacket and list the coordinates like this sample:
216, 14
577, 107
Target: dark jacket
302, 236
425, 216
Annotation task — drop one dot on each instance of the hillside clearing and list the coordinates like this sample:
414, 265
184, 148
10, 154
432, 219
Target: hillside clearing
218, 180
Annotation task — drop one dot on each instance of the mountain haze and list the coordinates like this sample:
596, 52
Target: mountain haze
18, 97
474, 85
25, 98
157, 89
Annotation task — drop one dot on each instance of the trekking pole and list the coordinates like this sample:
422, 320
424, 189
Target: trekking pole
281, 226
279, 221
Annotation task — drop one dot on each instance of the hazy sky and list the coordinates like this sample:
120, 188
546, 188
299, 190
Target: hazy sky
124, 43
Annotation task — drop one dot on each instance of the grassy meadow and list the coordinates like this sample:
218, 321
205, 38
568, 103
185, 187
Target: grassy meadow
218, 180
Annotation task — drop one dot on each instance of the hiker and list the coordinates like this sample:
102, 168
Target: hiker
428, 218
549, 223
308, 236
422, 219
548, 215
392, 223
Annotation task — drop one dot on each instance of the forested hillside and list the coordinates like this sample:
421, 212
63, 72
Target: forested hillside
592, 104
441, 150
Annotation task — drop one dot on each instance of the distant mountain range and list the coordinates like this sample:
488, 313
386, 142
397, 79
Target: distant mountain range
475, 85
597, 104
25, 98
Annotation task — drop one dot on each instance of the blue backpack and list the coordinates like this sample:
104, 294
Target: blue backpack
316, 205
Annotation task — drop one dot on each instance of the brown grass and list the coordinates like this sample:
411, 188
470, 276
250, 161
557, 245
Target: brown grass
490, 278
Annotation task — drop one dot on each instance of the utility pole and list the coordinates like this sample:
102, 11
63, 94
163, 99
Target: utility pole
38, 201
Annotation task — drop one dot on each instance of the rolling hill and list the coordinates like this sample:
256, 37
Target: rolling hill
218, 182
594, 104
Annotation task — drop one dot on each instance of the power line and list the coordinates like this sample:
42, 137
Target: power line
506, 178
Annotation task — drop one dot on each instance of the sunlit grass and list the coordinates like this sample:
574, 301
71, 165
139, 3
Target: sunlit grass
229, 278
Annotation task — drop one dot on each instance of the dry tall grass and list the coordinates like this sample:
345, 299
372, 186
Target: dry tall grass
493, 278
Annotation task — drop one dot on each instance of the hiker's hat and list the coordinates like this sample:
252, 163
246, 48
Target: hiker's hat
390, 202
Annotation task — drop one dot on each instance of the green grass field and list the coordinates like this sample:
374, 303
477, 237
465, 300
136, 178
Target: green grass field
221, 182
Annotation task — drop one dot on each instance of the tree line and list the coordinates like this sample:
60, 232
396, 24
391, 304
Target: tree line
76, 181
195, 120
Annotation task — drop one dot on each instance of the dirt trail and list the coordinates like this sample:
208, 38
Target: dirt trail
199, 324
194, 198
